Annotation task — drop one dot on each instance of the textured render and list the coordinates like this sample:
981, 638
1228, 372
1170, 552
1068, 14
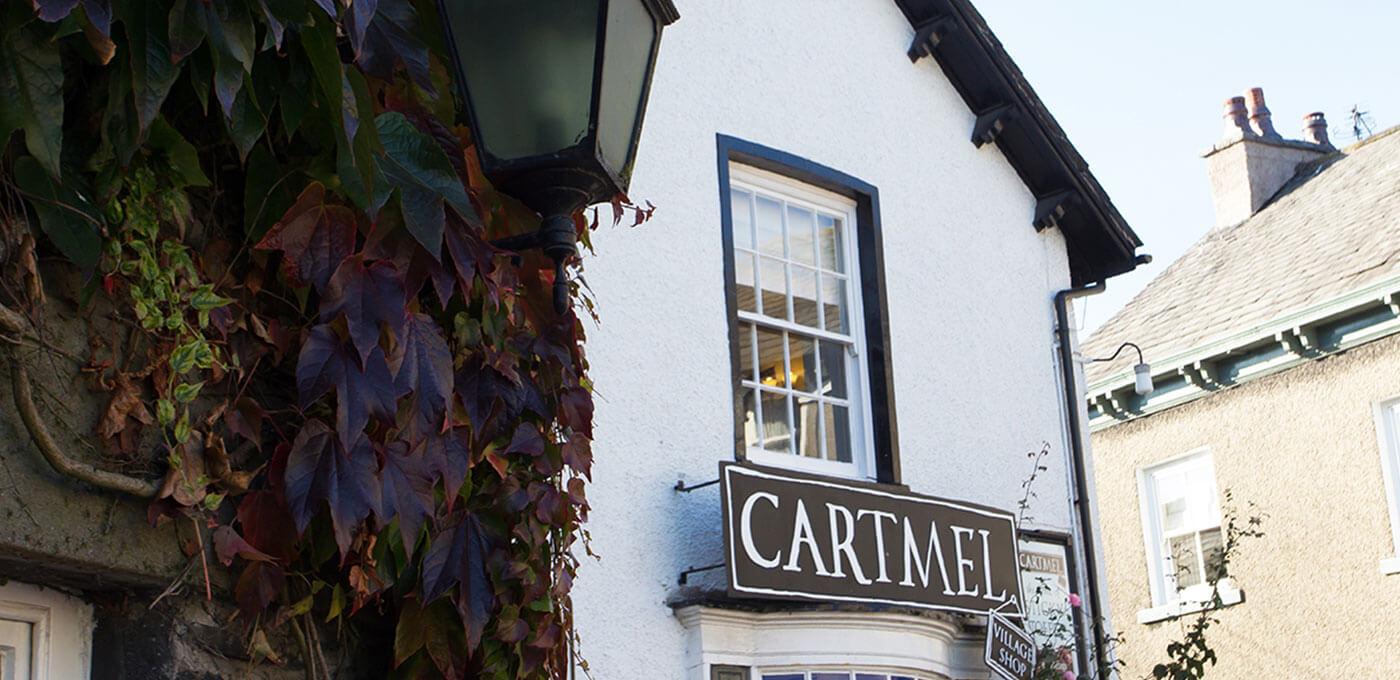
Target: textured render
1332, 230
1302, 445
969, 281
54, 530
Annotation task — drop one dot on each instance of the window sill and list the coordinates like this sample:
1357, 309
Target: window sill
1390, 565
1228, 597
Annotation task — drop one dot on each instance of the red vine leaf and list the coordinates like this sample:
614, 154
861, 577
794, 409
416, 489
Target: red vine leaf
367, 295
228, 544
446, 455
526, 440
258, 585
422, 367
320, 471
326, 362
245, 420
390, 39
263, 517
407, 488
576, 410
314, 237
458, 558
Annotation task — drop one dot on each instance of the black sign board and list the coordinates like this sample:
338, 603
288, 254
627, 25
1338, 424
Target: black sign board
793, 536
1010, 651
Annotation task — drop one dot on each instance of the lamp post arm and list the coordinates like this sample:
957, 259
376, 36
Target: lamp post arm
1120, 351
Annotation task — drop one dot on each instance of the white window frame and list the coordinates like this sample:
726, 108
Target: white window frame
1388, 442
801, 194
1167, 601
61, 630
888, 642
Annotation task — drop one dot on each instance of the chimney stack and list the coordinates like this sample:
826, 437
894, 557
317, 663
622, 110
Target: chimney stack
1249, 165
1315, 129
1236, 120
1259, 115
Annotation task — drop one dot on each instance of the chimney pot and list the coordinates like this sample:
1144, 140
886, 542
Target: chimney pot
1236, 120
1315, 129
1259, 115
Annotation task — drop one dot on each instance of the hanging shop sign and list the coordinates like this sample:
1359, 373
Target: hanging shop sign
1046, 575
793, 536
1010, 651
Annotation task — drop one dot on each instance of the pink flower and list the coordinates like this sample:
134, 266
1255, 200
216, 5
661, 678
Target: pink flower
1069, 675
1074, 601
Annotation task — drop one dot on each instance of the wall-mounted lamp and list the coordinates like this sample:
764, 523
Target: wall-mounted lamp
1142, 372
555, 91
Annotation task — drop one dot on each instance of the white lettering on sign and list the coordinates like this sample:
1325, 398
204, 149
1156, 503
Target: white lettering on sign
879, 539
789, 536
746, 521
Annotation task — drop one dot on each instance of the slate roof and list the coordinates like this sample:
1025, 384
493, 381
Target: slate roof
1333, 229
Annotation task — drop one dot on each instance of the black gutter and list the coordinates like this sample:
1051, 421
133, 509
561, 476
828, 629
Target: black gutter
1081, 482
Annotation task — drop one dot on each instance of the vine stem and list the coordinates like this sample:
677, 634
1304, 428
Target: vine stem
15, 323
203, 560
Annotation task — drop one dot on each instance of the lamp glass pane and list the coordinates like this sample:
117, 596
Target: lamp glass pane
631, 33
529, 69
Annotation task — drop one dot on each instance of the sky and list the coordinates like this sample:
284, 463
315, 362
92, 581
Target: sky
1139, 87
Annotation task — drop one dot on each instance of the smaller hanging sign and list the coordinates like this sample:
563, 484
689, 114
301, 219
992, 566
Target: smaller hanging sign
1010, 651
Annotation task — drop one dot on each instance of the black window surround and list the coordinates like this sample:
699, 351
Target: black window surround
869, 252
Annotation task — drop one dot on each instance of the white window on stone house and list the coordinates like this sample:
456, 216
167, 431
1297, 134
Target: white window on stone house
1388, 436
800, 332
1181, 523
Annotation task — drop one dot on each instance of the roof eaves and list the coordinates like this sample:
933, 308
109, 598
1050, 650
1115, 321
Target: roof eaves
1010, 113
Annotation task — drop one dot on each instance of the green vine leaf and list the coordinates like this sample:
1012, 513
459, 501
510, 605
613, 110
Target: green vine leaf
153, 67
422, 173
31, 94
64, 215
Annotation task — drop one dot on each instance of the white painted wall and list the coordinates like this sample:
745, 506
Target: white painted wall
969, 283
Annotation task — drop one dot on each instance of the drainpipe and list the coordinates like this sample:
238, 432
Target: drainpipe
1077, 471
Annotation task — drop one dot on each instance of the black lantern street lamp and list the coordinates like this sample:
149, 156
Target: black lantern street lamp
555, 91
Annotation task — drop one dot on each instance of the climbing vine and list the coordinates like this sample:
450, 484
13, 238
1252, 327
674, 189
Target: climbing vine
357, 400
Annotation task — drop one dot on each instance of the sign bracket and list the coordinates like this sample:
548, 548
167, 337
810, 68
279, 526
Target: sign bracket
682, 488
685, 575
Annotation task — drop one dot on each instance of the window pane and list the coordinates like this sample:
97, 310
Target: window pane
802, 362
1213, 548
783, 676
804, 296
769, 214
773, 276
868, 676
745, 354
838, 432
777, 432
771, 370
806, 411
834, 315
829, 243
833, 367
741, 218
1181, 554
1174, 515
802, 245
751, 427
744, 282
831, 676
